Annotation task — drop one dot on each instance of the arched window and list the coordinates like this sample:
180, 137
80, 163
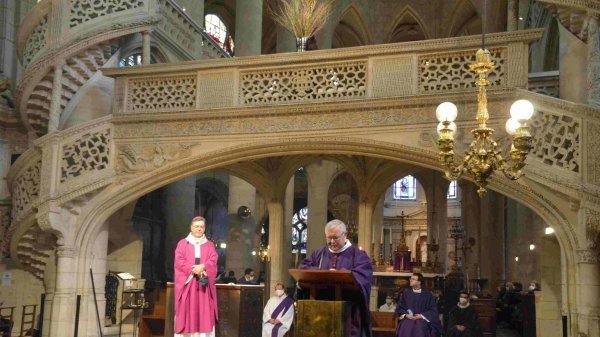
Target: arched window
452, 190
406, 188
131, 60
299, 232
216, 28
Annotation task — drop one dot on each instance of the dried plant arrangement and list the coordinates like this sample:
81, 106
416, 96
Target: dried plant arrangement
303, 18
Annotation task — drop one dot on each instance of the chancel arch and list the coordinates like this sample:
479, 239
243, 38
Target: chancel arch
351, 31
408, 26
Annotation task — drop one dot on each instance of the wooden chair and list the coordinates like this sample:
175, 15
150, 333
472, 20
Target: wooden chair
383, 324
6, 321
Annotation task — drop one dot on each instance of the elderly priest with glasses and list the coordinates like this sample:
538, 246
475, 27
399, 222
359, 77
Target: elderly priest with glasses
340, 254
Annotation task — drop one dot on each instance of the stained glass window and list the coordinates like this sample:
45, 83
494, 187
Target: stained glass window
216, 28
406, 188
299, 232
131, 60
452, 190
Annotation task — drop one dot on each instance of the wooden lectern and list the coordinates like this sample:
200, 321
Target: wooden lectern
328, 313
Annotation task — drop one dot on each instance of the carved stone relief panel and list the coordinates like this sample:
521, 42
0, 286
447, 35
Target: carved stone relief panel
216, 90
36, 41
161, 94
134, 158
26, 188
86, 10
443, 72
307, 83
556, 140
394, 76
593, 153
90, 152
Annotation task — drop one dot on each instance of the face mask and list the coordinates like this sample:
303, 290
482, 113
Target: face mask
388, 300
250, 279
279, 292
462, 300
531, 288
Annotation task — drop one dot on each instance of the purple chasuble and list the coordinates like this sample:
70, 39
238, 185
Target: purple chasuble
418, 303
359, 263
285, 304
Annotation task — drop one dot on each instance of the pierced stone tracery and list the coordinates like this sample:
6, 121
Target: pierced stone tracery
86, 10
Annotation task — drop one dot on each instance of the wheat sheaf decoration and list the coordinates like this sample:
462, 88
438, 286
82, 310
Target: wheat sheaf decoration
303, 18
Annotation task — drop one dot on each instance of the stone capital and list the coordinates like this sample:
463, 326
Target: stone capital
585, 256
66, 251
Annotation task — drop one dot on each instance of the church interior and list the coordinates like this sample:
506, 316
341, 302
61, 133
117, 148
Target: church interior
121, 120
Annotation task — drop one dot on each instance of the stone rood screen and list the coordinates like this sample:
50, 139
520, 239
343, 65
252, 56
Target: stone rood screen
391, 70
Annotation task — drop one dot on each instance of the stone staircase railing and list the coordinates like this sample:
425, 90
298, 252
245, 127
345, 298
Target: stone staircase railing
546, 83
574, 14
79, 36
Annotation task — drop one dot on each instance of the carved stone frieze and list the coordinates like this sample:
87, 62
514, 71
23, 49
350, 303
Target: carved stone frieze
136, 158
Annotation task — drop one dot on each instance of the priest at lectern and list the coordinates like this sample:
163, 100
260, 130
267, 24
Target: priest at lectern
340, 254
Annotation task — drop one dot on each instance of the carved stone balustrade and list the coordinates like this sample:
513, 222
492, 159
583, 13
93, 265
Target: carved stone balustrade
546, 83
390, 70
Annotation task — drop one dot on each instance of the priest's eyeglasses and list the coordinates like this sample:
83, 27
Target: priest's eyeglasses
334, 238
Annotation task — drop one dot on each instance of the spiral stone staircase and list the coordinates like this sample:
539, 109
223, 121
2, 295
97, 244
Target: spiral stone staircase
575, 15
74, 39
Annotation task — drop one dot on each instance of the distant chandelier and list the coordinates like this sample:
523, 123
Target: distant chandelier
483, 156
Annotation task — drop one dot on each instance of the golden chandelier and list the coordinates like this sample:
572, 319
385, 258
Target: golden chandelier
483, 156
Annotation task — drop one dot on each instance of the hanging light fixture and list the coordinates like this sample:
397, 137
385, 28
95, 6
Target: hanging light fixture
483, 157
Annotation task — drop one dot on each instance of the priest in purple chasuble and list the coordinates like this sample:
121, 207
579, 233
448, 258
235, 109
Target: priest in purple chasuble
417, 310
195, 290
340, 254
278, 314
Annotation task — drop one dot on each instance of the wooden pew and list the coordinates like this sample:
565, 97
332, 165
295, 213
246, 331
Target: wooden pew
382, 324
486, 309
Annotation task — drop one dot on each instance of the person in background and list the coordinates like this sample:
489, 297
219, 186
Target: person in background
417, 311
195, 291
389, 305
278, 314
463, 321
533, 287
248, 277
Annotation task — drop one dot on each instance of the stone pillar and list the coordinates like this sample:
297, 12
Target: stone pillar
55, 108
593, 54
378, 227
96, 258
512, 14
588, 286
241, 236
470, 217
573, 67
493, 237
325, 36
278, 247
286, 41
179, 211
248, 27
319, 176
436, 190
146, 58
64, 299
365, 224
288, 213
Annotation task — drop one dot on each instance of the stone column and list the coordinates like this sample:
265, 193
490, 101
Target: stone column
55, 108
248, 27
377, 227
470, 217
64, 299
179, 210
437, 216
493, 238
593, 54
573, 67
319, 176
288, 213
241, 235
365, 224
96, 258
278, 247
588, 286
146, 58
512, 14
286, 41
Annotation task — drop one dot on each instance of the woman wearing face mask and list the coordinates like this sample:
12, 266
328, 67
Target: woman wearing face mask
388, 306
278, 314
533, 287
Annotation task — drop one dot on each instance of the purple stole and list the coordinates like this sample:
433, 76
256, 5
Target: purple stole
283, 306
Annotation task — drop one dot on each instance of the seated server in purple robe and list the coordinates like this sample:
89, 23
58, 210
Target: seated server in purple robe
340, 254
417, 311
